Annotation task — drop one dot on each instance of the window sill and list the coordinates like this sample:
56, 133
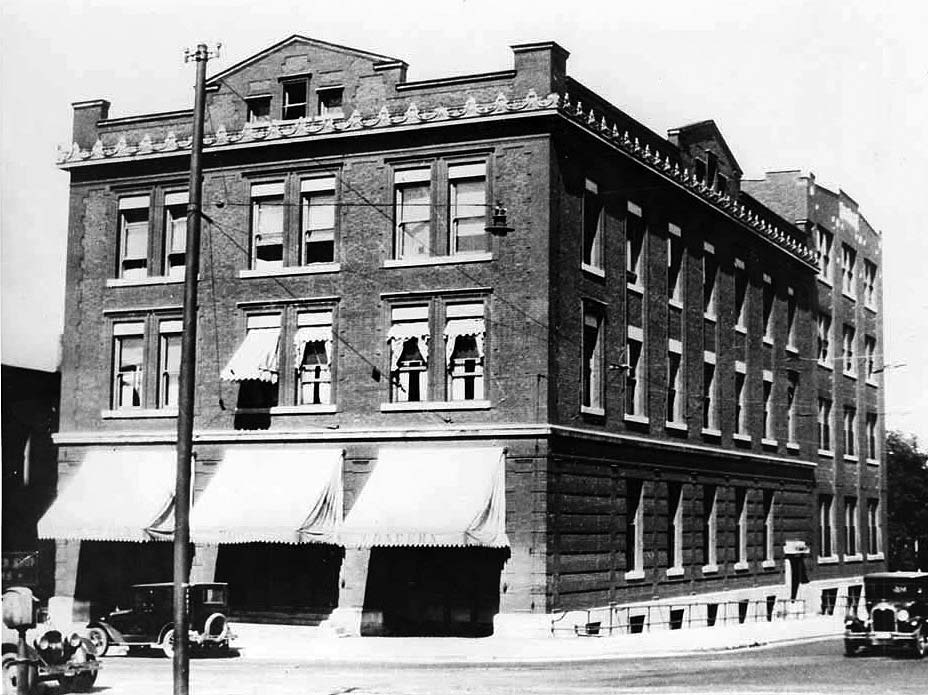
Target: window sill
314, 269
857, 557
825, 365
637, 419
768, 564
850, 375
767, 340
873, 462
875, 557
154, 280
675, 303
635, 287
826, 452
792, 349
741, 567
742, 438
710, 569
408, 406
851, 457
593, 270
438, 260
590, 410
138, 413
852, 297
675, 571
743, 330
872, 309
676, 426
303, 409
874, 384
825, 281
711, 432
827, 560
792, 446
769, 443
709, 317
634, 575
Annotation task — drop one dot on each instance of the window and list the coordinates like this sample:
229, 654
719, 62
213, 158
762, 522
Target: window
824, 339
312, 350
824, 424
634, 245
592, 386
128, 365
259, 108
850, 431
133, 237
592, 226
850, 361
709, 396
741, 524
741, 415
870, 357
255, 366
850, 525
709, 273
634, 373
790, 318
468, 207
413, 213
769, 428
823, 250
267, 225
870, 284
409, 347
294, 102
792, 406
768, 300
330, 102
674, 264
768, 525
169, 353
676, 393
318, 220
675, 525
709, 526
175, 234
465, 331
848, 263
741, 293
826, 526
874, 540
872, 446
634, 525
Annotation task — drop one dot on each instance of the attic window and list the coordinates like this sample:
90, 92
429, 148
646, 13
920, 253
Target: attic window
330, 101
294, 100
259, 108
700, 171
721, 183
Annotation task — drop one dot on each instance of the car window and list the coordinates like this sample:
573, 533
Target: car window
214, 595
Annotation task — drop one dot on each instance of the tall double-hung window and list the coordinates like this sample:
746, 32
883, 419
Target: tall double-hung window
592, 227
128, 365
826, 524
413, 213
824, 240
175, 234
312, 347
634, 526
409, 353
848, 270
317, 207
710, 527
133, 236
267, 225
467, 200
169, 352
465, 332
634, 245
635, 373
592, 366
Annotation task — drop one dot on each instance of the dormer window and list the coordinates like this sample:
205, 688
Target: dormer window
259, 108
330, 102
294, 102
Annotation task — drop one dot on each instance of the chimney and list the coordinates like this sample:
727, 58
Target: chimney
540, 66
86, 116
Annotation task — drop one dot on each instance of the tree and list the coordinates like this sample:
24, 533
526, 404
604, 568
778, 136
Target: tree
907, 499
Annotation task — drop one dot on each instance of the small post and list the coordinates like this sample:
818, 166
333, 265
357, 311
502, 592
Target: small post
22, 664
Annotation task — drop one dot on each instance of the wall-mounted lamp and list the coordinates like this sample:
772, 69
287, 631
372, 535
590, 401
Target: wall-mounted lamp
499, 227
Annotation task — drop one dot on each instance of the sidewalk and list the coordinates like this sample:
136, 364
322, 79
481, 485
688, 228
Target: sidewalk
314, 645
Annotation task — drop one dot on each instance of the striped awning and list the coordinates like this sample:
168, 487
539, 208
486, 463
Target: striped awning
445, 496
119, 494
256, 358
290, 495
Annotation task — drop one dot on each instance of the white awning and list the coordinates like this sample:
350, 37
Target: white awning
256, 358
124, 494
446, 496
401, 332
272, 496
312, 334
457, 328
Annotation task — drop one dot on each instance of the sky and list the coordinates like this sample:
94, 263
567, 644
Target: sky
839, 88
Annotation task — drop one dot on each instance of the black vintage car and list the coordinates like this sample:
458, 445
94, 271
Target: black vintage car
150, 620
52, 656
897, 614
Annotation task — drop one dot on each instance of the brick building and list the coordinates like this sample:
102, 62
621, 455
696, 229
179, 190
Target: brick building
406, 424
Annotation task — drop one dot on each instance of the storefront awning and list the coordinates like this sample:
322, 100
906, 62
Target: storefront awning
431, 497
124, 494
272, 496
256, 358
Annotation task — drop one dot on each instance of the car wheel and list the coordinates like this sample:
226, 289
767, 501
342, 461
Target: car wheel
167, 643
11, 676
921, 645
850, 649
100, 639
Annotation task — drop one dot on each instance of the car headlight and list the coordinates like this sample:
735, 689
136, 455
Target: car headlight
902, 614
43, 643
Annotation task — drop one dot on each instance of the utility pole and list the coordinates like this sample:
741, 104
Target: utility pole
187, 384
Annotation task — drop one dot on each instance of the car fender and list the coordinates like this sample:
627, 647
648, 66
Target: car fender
163, 630
115, 635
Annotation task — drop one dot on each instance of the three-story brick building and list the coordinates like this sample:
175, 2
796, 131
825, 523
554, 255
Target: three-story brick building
405, 423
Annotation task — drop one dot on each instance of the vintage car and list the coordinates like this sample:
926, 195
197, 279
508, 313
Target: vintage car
52, 656
896, 606
150, 620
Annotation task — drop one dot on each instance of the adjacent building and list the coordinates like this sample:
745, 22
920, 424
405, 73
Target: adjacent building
409, 421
